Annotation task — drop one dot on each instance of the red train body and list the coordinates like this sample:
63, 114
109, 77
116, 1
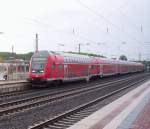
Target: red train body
49, 67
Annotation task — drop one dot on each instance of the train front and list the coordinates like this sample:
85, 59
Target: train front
38, 68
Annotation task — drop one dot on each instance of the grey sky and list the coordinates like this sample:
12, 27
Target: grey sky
112, 27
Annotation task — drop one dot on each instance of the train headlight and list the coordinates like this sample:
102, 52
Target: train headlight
41, 71
33, 71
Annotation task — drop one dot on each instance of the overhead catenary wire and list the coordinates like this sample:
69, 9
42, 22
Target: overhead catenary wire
119, 9
107, 20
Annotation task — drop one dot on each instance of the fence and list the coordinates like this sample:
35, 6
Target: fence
13, 71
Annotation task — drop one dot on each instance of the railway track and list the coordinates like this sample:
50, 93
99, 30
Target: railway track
24, 104
70, 117
43, 91
49, 89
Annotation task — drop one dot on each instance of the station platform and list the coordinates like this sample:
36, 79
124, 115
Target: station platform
13, 85
131, 111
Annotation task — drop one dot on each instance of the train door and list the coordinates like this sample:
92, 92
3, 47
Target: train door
116, 69
53, 70
65, 71
60, 70
101, 70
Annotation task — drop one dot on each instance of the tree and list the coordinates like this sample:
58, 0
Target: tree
1, 60
123, 57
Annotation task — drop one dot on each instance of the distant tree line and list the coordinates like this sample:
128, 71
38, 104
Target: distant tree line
10, 56
123, 57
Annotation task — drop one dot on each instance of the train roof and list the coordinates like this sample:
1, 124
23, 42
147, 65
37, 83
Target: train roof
69, 54
85, 58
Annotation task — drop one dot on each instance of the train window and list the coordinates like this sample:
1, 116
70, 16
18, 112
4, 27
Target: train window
80, 60
76, 60
93, 67
53, 66
71, 59
60, 66
67, 60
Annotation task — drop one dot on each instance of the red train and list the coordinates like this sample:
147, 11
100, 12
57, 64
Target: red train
57, 67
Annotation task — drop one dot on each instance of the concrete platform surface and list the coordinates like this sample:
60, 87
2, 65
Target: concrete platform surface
131, 111
14, 85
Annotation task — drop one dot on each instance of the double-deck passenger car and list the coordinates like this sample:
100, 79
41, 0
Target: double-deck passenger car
58, 67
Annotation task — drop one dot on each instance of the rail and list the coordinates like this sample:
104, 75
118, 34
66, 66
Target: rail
70, 117
28, 103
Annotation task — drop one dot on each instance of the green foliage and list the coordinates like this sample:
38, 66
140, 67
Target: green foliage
146, 63
123, 57
6, 55
26, 56
10, 56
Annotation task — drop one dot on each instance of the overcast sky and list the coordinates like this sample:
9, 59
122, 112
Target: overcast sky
110, 27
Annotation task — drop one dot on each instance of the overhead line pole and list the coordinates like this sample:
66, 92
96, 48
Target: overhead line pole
79, 48
36, 43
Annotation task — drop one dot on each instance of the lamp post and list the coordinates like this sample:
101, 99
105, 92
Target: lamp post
79, 50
